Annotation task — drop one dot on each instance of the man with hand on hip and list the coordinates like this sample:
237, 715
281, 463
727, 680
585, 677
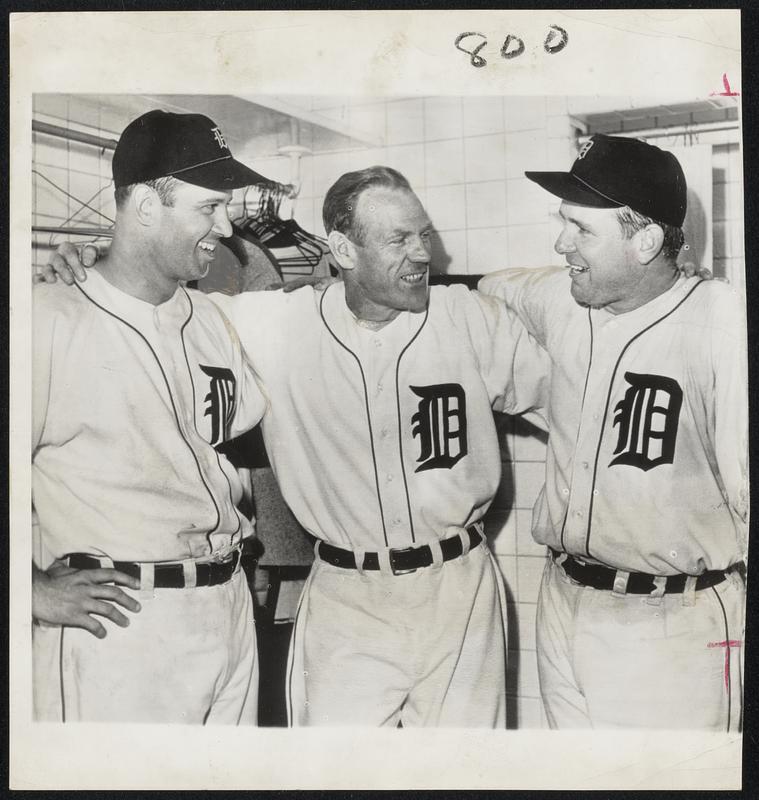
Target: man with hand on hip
136, 382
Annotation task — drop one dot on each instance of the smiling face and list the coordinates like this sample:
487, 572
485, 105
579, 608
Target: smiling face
189, 231
604, 265
391, 264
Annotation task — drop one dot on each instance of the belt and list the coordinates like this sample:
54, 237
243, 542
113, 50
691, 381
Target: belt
600, 577
407, 559
166, 576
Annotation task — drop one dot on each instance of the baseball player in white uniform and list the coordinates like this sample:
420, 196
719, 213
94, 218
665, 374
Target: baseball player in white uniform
136, 381
644, 510
380, 432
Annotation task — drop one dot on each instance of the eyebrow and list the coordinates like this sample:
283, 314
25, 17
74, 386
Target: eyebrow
429, 227
579, 222
219, 198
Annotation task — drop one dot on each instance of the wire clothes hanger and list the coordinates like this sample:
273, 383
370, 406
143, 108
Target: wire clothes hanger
295, 249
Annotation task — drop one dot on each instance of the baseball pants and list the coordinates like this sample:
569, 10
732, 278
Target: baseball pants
424, 649
189, 656
609, 660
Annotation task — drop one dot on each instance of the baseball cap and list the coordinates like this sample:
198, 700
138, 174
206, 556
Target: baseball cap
614, 171
190, 147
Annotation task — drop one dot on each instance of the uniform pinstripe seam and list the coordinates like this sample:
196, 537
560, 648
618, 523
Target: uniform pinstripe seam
366, 404
60, 672
400, 428
195, 423
727, 645
292, 656
582, 406
608, 401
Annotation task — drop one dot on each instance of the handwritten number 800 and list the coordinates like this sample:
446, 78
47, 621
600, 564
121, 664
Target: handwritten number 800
513, 46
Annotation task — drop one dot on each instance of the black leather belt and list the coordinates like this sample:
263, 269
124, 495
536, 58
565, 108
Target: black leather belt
166, 576
599, 577
407, 559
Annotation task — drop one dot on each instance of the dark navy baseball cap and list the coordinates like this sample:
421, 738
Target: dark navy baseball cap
190, 147
614, 171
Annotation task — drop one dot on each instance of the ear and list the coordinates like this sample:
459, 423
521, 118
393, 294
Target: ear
146, 204
342, 249
650, 242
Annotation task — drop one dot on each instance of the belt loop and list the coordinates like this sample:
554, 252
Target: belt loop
620, 582
190, 574
317, 542
466, 543
106, 562
689, 591
147, 579
383, 556
437, 553
660, 586
359, 556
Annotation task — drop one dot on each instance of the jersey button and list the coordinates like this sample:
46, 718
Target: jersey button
585, 465
384, 433
389, 478
578, 514
379, 388
565, 490
377, 343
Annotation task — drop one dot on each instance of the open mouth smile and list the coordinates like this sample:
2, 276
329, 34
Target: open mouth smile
414, 279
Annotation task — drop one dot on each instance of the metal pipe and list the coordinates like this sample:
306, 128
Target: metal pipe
74, 136
73, 231
675, 130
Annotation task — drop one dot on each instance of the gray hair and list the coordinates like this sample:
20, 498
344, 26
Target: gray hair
631, 222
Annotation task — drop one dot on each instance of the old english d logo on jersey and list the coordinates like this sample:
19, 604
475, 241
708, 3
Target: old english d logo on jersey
220, 402
440, 424
647, 417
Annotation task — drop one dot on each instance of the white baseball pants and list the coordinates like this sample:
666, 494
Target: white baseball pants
425, 648
189, 656
610, 660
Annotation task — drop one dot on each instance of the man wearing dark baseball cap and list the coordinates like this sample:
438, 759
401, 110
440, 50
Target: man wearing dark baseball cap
644, 509
137, 382
189, 147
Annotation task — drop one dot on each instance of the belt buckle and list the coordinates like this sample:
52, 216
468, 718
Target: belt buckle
392, 565
222, 557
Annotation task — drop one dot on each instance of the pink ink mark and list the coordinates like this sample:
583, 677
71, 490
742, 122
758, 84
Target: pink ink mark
728, 91
727, 645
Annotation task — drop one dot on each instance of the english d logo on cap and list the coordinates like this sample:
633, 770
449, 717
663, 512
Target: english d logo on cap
190, 147
614, 171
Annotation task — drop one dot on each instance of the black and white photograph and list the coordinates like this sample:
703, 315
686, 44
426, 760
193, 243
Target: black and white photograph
398, 381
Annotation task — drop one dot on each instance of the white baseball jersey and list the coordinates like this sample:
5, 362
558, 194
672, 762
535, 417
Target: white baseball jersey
647, 455
385, 438
129, 401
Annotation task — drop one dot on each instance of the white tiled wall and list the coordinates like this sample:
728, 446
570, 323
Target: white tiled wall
727, 209
466, 158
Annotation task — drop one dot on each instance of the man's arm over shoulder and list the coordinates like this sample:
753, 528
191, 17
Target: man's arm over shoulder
262, 319
250, 402
513, 365
531, 293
